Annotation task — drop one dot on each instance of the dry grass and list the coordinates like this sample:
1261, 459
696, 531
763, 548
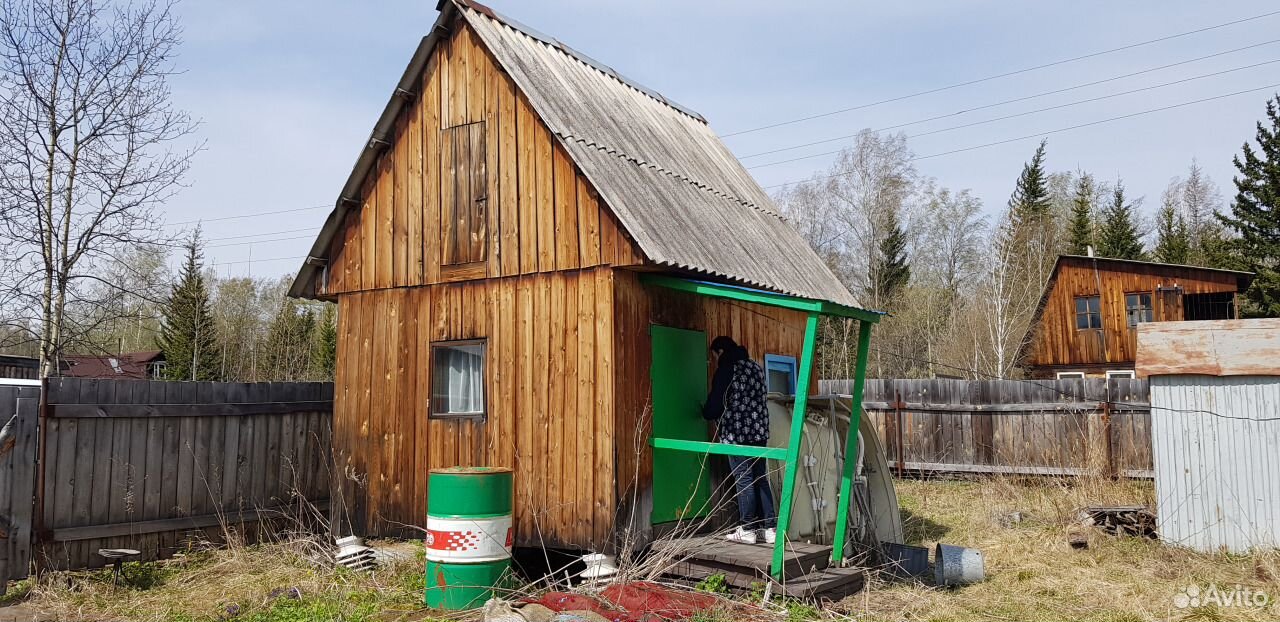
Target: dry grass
1034, 575
261, 583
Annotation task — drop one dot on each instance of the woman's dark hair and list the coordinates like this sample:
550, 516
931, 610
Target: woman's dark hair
723, 343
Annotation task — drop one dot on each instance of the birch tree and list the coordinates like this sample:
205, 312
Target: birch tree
90, 145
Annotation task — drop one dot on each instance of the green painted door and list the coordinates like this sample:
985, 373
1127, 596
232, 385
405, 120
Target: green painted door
681, 482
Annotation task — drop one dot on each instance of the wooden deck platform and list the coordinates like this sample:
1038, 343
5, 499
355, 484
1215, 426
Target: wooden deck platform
806, 567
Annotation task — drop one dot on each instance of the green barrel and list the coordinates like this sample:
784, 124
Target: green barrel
469, 535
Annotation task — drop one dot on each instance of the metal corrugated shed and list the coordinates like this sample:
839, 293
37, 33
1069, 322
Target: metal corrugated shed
674, 186
1215, 432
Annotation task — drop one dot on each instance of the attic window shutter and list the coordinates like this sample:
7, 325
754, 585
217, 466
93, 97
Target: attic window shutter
464, 220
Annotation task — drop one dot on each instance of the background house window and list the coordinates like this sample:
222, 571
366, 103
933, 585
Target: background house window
1070, 375
780, 373
1089, 312
1120, 373
457, 379
1138, 308
464, 222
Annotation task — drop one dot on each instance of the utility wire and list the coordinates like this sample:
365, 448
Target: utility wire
1046, 133
259, 235
296, 237
228, 263
1026, 113
237, 217
1018, 99
1000, 75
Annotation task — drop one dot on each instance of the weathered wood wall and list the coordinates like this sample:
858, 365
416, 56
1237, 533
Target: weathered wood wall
763, 330
19, 367
1059, 344
1047, 427
539, 213
548, 390
151, 465
18, 416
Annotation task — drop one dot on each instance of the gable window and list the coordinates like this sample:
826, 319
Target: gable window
780, 373
1138, 308
457, 378
1088, 312
464, 187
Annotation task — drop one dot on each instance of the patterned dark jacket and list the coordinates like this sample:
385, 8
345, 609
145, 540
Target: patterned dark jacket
737, 400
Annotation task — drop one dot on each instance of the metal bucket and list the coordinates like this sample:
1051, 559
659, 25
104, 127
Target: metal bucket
469, 535
957, 565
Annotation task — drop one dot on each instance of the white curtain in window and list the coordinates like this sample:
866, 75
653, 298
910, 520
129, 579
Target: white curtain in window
460, 378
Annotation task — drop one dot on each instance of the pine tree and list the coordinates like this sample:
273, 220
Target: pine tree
1080, 228
1118, 234
1030, 200
889, 271
325, 352
188, 334
1173, 238
1255, 213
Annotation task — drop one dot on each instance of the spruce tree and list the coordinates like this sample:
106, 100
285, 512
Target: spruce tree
188, 334
1173, 238
1030, 202
889, 271
325, 352
1118, 234
1255, 213
1080, 228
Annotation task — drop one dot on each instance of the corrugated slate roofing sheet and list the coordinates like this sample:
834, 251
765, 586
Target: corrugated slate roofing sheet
673, 184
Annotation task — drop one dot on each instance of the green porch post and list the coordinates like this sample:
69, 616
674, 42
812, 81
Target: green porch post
851, 445
793, 443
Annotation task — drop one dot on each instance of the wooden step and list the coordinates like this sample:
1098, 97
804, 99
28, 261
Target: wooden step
827, 583
741, 564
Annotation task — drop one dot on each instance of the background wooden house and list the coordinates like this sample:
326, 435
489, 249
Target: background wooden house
1086, 322
489, 257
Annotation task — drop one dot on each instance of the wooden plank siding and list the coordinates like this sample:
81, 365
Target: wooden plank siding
763, 330
1058, 345
553, 441
537, 212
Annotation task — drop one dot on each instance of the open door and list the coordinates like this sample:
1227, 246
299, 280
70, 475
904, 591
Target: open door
681, 481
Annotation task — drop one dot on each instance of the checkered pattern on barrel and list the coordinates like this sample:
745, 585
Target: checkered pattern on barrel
454, 540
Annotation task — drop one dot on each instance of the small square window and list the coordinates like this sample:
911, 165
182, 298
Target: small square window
457, 379
1138, 308
780, 373
1088, 312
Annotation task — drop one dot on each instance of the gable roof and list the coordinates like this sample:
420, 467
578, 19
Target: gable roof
1243, 279
673, 185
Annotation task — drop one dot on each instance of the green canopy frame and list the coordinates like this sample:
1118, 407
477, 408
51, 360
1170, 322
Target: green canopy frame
790, 455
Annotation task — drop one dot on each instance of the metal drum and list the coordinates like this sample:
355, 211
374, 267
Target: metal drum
469, 535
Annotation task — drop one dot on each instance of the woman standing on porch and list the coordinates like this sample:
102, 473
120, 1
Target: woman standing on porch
737, 402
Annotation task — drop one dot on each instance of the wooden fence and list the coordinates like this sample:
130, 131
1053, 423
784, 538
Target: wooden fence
1034, 427
153, 466
19, 406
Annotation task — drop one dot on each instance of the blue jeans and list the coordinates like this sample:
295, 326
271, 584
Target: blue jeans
755, 497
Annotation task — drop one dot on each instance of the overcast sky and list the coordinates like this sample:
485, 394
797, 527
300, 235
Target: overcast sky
289, 90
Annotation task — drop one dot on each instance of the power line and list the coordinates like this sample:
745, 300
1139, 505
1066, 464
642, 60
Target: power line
1018, 99
1046, 133
296, 237
1027, 113
229, 263
1000, 75
258, 235
237, 217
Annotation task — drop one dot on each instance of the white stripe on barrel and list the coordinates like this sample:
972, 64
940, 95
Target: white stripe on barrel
468, 540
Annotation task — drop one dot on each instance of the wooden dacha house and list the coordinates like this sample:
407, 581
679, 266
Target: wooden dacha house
1086, 323
529, 259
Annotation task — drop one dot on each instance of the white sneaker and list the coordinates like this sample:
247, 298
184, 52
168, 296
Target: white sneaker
770, 536
741, 535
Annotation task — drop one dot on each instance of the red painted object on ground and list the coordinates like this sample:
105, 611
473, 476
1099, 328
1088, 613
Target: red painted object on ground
639, 601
